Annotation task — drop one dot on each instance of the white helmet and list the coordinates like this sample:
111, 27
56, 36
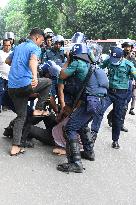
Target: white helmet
9, 35
48, 30
58, 38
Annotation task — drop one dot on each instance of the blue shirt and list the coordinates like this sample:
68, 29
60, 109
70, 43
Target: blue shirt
20, 74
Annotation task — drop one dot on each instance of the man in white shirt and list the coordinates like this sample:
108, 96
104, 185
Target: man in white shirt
4, 68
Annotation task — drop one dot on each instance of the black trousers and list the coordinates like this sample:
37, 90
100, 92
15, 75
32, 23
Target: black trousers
20, 98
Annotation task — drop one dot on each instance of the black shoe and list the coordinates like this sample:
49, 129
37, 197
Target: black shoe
88, 155
8, 132
115, 145
109, 122
71, 167
131, 112
124, 129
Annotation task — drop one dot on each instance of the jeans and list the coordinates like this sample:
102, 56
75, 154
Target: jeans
2, 88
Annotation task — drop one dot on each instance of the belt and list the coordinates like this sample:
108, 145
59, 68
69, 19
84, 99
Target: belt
113, 90
99, 96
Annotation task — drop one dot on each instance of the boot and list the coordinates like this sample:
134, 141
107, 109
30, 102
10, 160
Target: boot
109, 118
131, 112
74, 158
88, 140
124, 129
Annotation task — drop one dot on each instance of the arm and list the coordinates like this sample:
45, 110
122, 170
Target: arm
133, 72
61, 95
33, 64
63, 75
66, 72
9, 59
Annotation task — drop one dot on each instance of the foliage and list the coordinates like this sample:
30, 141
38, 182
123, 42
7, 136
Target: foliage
96, 18
14, 18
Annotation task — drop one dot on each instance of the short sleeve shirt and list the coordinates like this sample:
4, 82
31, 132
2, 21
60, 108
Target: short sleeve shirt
79, 67
20, 74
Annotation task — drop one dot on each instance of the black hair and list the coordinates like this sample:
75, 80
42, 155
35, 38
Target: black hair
127, 44
21, 40
37, 31
5, 40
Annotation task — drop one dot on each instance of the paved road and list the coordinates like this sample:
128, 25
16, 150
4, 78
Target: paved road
32, 178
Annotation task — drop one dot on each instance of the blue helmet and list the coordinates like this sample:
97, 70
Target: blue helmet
80, 51
78, 37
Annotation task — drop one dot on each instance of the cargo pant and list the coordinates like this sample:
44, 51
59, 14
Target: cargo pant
118, 99
83, 115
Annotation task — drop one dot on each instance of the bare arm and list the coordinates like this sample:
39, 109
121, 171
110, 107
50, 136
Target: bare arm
33, 64
61, 95
8, 61
63, 75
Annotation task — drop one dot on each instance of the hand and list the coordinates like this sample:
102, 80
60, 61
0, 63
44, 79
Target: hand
34, 82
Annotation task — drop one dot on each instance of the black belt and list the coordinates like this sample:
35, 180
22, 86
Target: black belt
114, 90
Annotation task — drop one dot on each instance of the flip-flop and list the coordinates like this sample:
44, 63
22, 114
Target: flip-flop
21, 151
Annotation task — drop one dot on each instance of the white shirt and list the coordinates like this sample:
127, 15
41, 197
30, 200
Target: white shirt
4, 68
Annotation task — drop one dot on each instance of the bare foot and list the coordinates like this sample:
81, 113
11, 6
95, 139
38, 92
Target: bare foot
15, 150
37, 112
40, 113
59, 151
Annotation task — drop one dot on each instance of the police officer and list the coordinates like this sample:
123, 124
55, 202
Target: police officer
127, 49
119, 71
82, 114
56, 54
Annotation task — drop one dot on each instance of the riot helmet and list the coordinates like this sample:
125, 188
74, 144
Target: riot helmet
58, 39
80, 51
78, 37
127, 46
48, 33
95, 51
10, 35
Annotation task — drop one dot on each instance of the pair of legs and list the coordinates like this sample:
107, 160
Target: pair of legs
20, 98
77, 123
133, 102
3, 84
118, 99
128, 99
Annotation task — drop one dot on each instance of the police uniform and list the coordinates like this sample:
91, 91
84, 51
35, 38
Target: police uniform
118, 91
79, 119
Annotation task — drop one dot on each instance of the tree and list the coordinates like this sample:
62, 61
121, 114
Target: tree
15, 19
2, 25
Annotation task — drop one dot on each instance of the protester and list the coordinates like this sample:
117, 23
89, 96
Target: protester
23, 81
